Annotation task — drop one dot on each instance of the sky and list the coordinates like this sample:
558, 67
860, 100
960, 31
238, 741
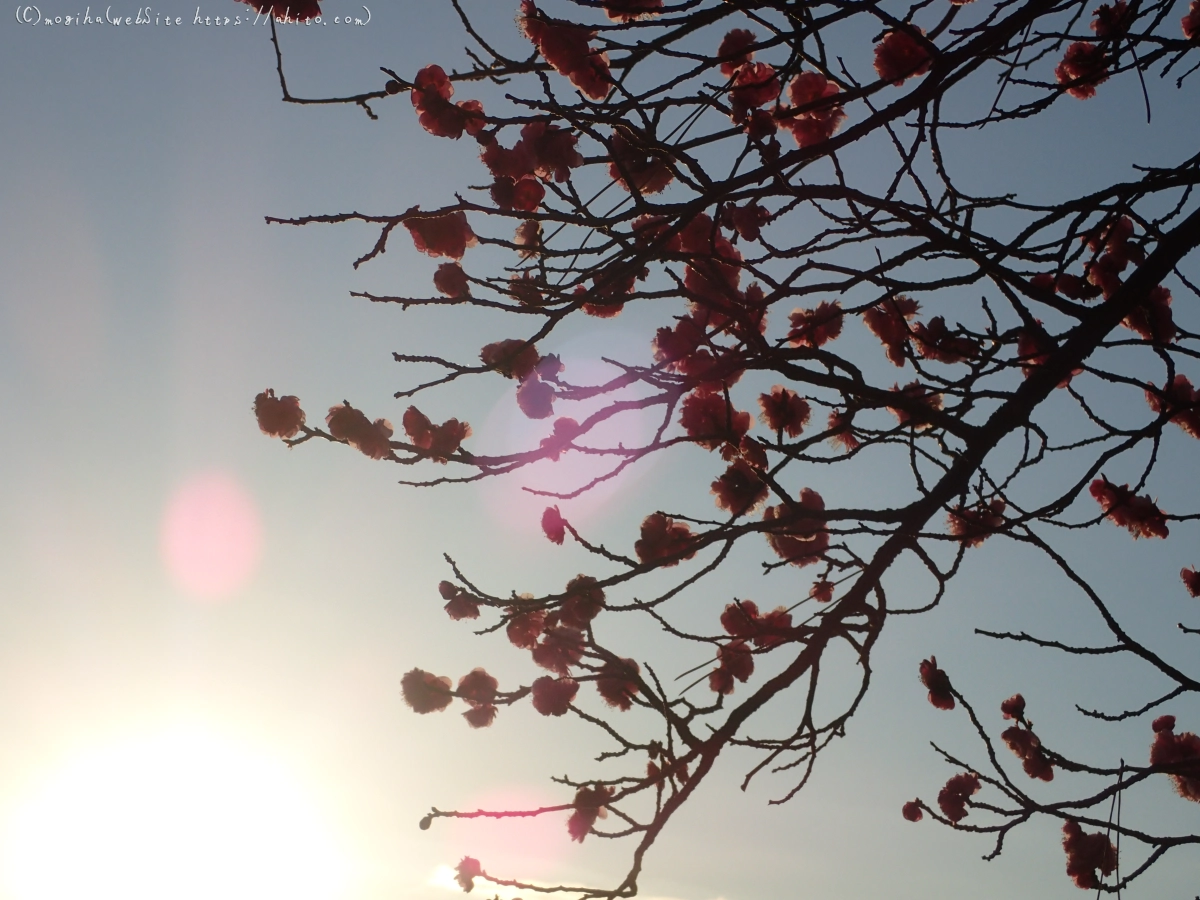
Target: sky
163, 711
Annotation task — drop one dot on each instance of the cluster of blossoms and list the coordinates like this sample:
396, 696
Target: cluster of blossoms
372, 439
282, 417
565, 46
952, 798
1021, 740
1180, 399
535, 375
746, 626
438, 441
556, 641
1089, 856
1139, 514
813, 116
1084, 66
1086, 63
431, 93
891, 321
1180, 753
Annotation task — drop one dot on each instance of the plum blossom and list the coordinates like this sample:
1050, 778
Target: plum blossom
584, 601
617, 683
901, 55
589, 805
783, 410
746, 220
466, 872
1111, 21
1139, 514
735, 662
564, 46
841, 430
439, 441
460, 604
512, 358
920, 399
441, 235
937, 682
662, 538
972, 525
478, 688
1191, 22
425, 692
936, 342
735, 45
279, 417
1151, 318
821, 591
1178, 395
553, 696
350, 425
819, 118
1191, 580
535, 397
1181, 752
1028, 748
1013, 708
627, 10
798, 539
952, 799
554, 526
754, 85
1082, 68
711, 420
560, 648
635, 163
525, 627
888, 320
451, 280
431, 93
1087, 854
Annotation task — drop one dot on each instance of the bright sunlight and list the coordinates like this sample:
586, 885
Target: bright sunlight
181, 815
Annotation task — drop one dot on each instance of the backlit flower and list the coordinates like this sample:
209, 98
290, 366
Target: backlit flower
279, 417
425, 692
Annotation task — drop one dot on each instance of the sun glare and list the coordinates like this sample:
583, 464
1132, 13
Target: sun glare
183, 815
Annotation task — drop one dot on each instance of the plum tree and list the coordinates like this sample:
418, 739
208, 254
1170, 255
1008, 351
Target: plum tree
780, 188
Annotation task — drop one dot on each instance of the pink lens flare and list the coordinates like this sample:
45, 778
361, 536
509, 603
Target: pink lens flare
521, 511
211, 536
509, 846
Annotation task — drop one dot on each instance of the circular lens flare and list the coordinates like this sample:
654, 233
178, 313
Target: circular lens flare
511, 431
211, 536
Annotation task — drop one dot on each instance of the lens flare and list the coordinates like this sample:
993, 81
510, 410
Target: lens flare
211, 536
510, 431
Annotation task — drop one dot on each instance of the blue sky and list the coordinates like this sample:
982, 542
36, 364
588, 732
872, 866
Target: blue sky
143, 304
